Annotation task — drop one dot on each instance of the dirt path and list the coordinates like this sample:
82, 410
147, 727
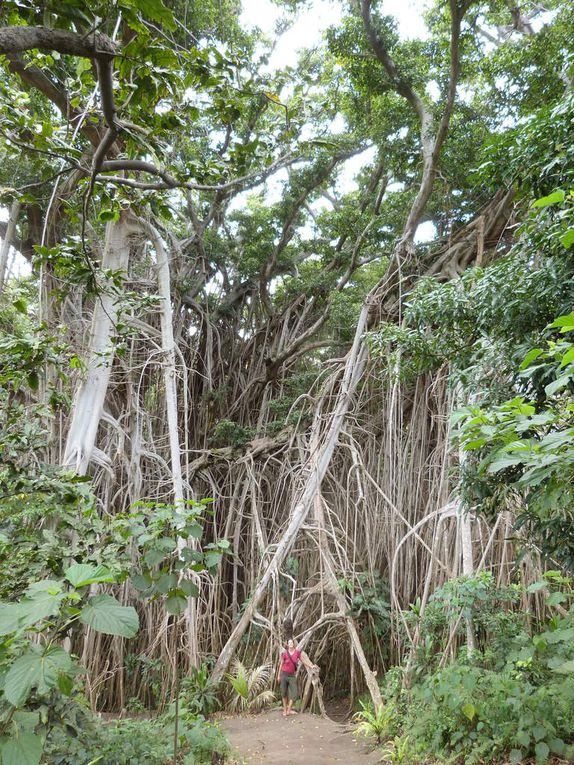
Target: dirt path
272, 739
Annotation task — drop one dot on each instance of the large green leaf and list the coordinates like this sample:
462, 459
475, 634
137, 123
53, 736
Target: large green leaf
551, 199
22, 749
10, 616
565, 669
23, 615
82, 574
35, 669
469, 711
542, 750
104, 614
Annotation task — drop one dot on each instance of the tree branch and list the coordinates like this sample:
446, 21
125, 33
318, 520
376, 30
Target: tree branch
402, 86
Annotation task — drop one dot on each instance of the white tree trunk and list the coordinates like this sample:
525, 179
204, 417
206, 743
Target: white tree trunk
465, 526
170, 383
7, 241
465, 532
91, 392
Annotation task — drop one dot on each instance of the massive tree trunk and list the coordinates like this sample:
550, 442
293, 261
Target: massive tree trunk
431, 145
316, 469
91, 392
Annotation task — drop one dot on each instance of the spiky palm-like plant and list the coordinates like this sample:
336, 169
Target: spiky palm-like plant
376, 724
249, 691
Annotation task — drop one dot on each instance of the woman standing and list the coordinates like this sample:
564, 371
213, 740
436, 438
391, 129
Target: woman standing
287, 675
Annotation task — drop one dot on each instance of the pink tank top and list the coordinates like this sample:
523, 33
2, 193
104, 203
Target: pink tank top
289, 661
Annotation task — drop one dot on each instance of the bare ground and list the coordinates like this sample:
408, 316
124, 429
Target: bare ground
304, 739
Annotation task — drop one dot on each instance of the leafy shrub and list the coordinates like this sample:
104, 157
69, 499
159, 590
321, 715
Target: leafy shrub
475, 715
145, 742
478, 598
199, 692
512, 700
229, 433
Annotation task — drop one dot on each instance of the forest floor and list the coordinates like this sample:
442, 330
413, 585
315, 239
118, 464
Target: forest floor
303, 739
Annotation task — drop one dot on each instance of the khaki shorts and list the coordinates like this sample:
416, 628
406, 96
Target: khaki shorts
288, 686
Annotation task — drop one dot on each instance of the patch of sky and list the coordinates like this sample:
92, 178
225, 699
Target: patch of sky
426, 232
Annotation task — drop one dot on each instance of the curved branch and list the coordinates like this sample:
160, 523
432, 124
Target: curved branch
400, 84
94, 46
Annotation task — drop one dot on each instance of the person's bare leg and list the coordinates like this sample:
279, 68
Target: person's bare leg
290, 710
285, 706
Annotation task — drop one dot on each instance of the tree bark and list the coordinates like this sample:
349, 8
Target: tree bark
90, 395
354, 366
7, 242
170, 383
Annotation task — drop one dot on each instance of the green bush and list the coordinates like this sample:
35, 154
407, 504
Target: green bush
137, 742
199, 693
470, 714
511, 700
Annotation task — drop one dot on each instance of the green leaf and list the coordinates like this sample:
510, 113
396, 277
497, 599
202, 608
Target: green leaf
567, 238
557, 746
33, 380
551, 199
25, 748
142, 581
44, 601
565, 322
469, 711
556, 598
189, 588
21, 305
556, 385
515, 756
523, 738
539, 732
560, 636
504, 462
566, 668
542, 750
35, 669
107, 215
195, 530
156, 11
10, 616
154, 556
535, 586
176, 603
531, 356
212, 559
104, 614
83, 574
568, 357
65, 684
165, 583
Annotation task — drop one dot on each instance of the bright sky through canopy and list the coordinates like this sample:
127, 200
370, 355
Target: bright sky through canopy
313, 20
306, 32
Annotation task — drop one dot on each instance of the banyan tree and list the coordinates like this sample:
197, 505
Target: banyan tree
218, 308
